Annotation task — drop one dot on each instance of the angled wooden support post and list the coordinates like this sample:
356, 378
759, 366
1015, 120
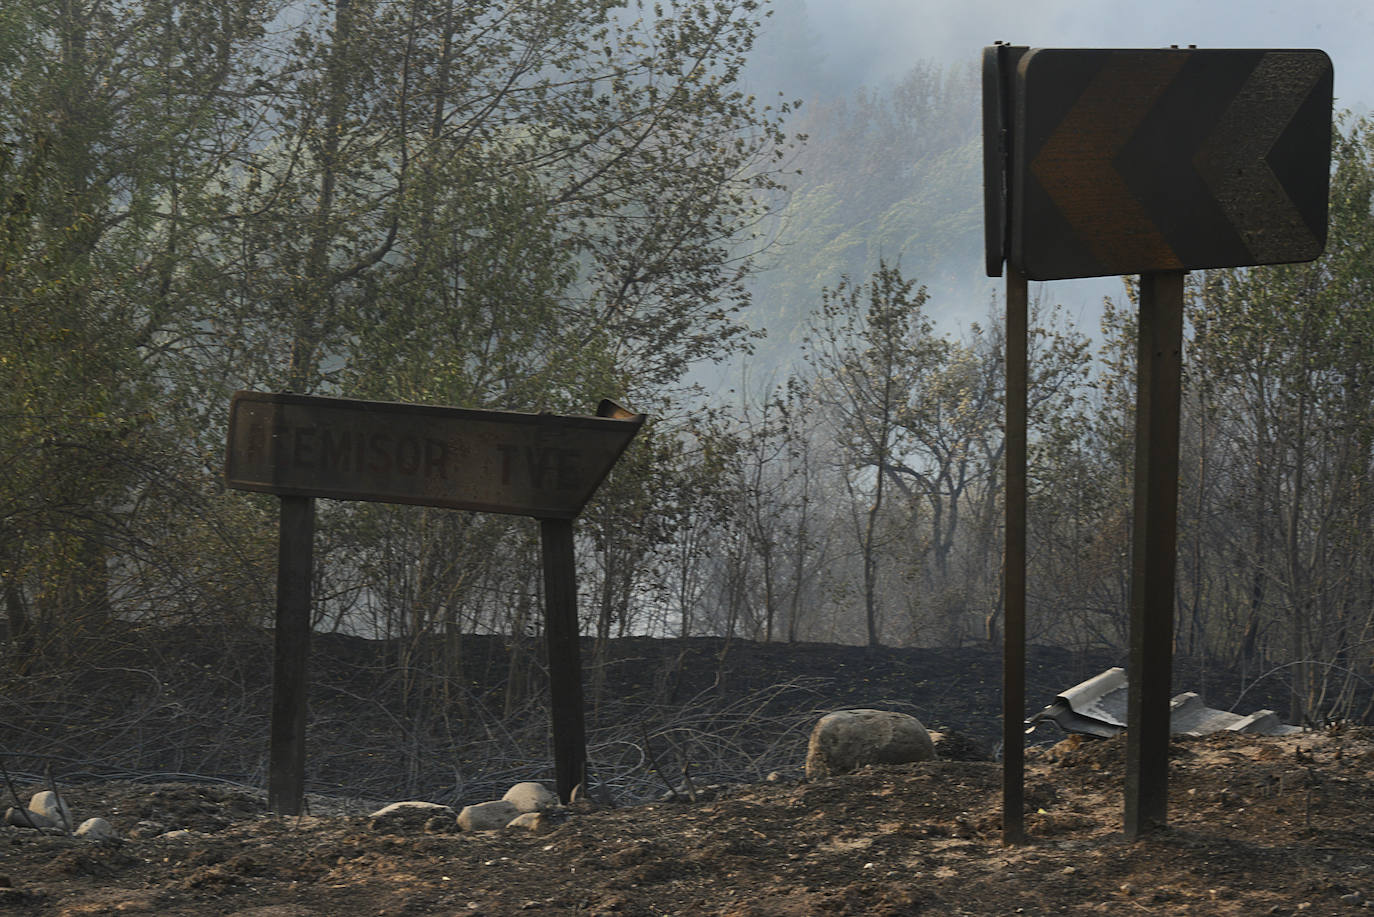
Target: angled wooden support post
1159, 370
286, 767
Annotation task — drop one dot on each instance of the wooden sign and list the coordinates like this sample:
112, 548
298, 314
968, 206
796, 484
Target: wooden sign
301, 446
541, 465
1131, 161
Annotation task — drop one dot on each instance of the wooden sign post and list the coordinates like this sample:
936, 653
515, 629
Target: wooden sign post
547, 466
1150, 162
295, 561
565, 665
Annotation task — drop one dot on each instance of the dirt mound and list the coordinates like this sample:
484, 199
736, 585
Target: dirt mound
1258, 825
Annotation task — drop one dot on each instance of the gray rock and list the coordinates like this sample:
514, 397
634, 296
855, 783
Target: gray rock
848, 739
49, 804
146, 829
409, 816
98, 829
487, 816
531, 797
530, 821
25, 818
415, 806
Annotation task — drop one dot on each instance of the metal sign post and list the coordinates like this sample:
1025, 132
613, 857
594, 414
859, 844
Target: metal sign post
1159, 371
1151, 162
1014, 574
547, 466
998, 63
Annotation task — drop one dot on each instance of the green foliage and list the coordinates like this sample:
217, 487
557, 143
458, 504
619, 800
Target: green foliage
1282, 375
892, 175
524, 206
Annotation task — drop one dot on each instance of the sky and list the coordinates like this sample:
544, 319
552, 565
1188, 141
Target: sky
871, 42
879, 39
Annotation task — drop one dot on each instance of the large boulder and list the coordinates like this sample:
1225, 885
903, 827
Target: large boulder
848, 739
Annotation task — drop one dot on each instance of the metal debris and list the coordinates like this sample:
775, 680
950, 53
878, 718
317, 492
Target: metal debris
1097, 707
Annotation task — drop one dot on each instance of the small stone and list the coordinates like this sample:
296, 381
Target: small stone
531, 821
99, 830
24, 818
411, 815
1354, 899
530, 797
49, 804
412, 807
1127, 888
487, 816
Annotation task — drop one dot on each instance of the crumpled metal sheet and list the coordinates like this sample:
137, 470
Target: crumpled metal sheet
1097, 707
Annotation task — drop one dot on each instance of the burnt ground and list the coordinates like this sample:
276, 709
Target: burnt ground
1257, 825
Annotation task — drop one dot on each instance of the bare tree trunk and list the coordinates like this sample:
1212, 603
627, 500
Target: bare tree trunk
1299, 605
21, 635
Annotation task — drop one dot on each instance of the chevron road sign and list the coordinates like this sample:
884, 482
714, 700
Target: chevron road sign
1130, 161
1149, 162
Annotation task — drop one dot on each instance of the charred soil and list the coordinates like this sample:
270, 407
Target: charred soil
1257, 826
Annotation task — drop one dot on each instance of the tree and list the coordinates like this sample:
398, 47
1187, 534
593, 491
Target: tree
1283, 375
872, 349
888, 172
527, 206
107, 121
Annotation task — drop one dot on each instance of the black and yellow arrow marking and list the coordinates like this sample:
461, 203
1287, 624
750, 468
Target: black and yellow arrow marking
1136, 161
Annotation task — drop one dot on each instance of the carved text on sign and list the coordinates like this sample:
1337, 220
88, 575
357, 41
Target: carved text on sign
492, 461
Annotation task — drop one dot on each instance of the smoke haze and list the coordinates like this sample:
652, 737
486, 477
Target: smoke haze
872, 41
